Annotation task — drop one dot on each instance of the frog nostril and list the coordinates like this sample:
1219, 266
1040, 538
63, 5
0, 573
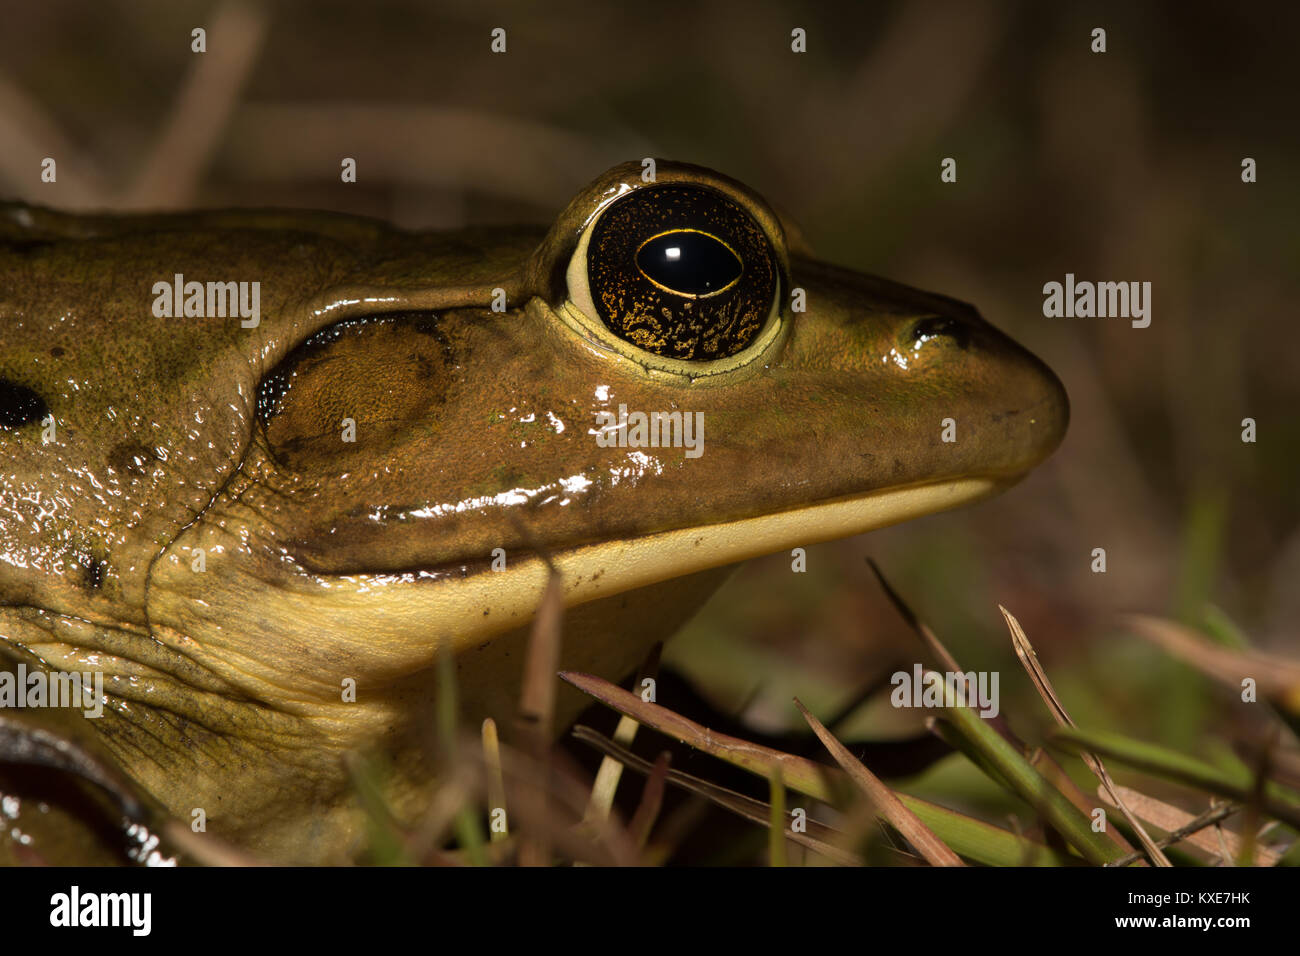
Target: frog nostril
19, 405
937, 326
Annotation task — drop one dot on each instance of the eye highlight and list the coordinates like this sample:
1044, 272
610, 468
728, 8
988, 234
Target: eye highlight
689, 263
681, 271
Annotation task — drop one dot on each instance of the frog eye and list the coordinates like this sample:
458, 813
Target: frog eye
678, 270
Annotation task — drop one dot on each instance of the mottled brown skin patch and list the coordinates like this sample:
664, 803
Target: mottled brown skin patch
131, 458
386, 375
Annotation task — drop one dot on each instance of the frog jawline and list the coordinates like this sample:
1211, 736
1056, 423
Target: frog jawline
409, 612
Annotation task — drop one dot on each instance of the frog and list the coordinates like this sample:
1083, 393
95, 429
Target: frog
266, 532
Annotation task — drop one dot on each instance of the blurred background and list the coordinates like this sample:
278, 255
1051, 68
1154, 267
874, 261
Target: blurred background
1120, 166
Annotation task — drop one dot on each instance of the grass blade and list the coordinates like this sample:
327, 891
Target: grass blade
1029, 659
974, 839
882, 798
607, 777
1236, 783
1027, 782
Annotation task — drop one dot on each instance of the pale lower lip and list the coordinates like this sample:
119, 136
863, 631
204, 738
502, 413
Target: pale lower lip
418, 612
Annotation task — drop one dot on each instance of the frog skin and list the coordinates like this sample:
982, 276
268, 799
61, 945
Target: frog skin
200, 530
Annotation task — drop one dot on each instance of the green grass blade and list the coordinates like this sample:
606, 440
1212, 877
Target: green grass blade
1235, 782
1028, 783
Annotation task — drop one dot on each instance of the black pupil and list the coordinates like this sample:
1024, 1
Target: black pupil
689, 263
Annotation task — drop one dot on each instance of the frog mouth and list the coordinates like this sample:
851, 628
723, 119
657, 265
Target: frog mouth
648, 559
482, 602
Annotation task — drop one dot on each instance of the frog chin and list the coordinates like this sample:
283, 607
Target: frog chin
293, 639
